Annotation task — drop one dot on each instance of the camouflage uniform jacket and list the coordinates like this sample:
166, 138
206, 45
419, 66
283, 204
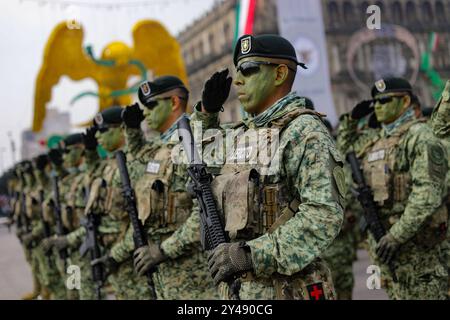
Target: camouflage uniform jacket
285, 258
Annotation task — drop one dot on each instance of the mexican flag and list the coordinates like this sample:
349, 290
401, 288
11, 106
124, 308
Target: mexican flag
245, 17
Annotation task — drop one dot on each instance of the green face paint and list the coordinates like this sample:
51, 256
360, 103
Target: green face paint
256, 88
388, 112
157, 116
110, 140
72, 158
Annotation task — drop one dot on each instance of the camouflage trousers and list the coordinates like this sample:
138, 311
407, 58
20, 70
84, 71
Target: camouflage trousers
421, 273
340, 256
186, 278
48, 276
63, 267
87, 286
314, 282
127, 285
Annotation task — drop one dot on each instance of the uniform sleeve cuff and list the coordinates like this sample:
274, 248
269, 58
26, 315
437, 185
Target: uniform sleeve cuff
262, 250
397, 235
169, 247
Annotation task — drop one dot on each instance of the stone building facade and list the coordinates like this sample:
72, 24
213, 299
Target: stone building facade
207, 45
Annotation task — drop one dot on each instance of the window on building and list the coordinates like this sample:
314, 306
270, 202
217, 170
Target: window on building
226, 32
201, 49
333, 13
363, 14
397, 13
440, 12
411, 12
349, 13
211, 43
427, 12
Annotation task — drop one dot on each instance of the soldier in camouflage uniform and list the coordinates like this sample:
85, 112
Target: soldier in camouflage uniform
43, 263
406, 168
440, 123
280, 215
106, 198
163, 203
76, 198
29, 220
72, 148
342, 252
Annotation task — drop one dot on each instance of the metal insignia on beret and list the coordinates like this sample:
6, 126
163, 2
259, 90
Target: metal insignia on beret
380, 85
302, 102
145, 89
246, 45
98, 118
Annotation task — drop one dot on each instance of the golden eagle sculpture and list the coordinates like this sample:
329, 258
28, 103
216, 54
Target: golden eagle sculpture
153, 49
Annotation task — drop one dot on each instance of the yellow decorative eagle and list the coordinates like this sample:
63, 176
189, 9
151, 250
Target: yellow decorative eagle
153, 49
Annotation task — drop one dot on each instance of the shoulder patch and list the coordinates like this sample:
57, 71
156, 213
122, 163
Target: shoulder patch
339, 177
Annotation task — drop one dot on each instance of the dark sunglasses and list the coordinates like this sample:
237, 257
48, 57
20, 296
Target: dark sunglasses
153, 103
383, 100
248, 68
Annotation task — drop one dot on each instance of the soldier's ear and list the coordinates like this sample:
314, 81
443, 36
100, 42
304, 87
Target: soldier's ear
406, 101
281, 74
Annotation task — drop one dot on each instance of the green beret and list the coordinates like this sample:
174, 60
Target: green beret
389, 85
110, 116
149, 89
72, 139
265, 45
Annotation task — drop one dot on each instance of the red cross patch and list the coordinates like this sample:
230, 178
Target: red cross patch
315, 291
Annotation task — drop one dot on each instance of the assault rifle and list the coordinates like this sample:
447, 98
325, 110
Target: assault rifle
365, 197
211, 228
139, 236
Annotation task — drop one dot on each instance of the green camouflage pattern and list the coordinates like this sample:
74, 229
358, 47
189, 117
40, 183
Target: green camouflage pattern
416, 154
308, 159
185, 275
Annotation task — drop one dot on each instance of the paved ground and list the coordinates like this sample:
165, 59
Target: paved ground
15, 275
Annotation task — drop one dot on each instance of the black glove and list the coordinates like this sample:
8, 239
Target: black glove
55, 156
216, 91
41, 162
108, 262
229, 259
89, 139
145, 258
362, 109
132, 116
386, 248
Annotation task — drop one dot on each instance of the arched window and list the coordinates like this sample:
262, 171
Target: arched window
440, 12
333, 13
211, 43
411, 12
427, 12
226, 31
349, 14
397, 13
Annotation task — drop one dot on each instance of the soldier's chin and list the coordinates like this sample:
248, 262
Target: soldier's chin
247, 108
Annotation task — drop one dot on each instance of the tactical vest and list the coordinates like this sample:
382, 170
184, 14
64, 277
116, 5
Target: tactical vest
107, 200
70, 213
251, 202
160, 203
391, 187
